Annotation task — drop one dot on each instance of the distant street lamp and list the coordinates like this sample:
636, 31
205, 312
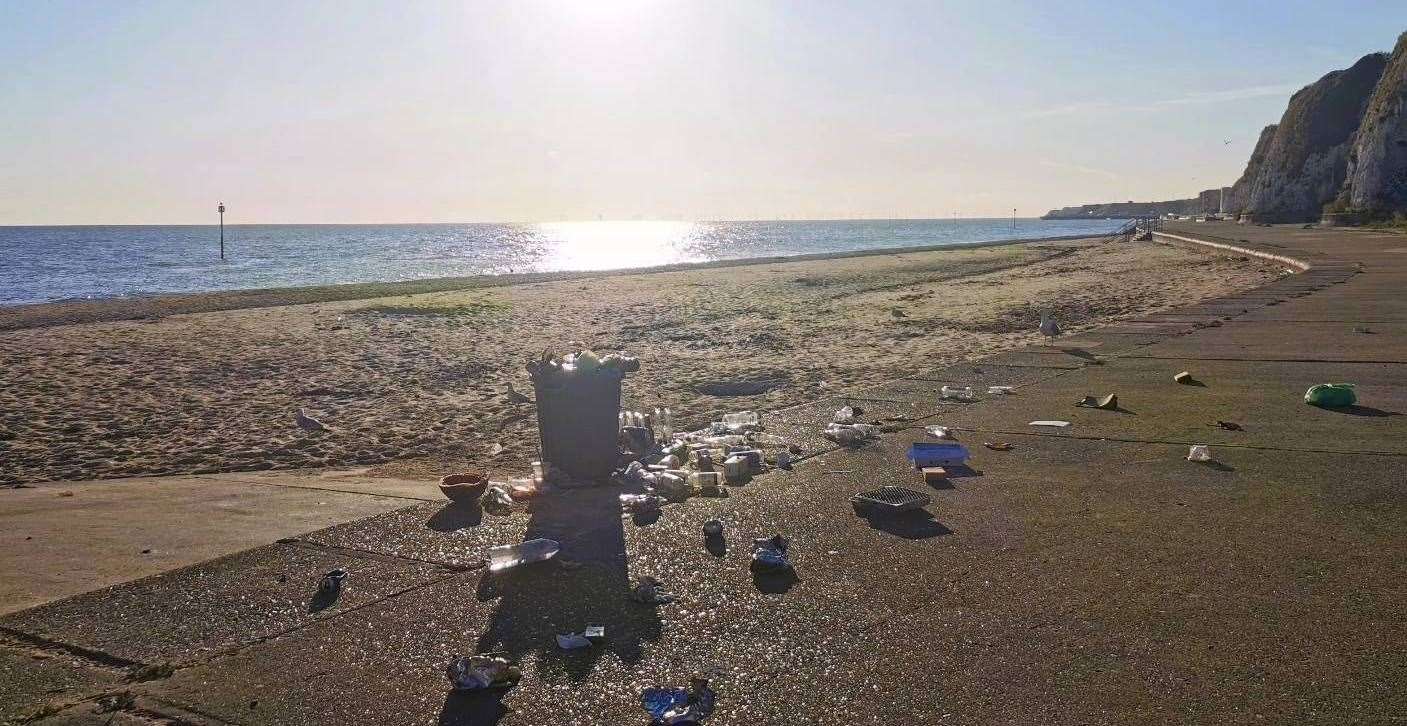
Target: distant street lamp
222, 230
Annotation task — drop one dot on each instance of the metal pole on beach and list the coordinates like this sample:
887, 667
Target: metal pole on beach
222, 230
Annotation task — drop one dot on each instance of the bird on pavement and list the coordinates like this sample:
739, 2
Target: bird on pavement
1049, 327
515, 397
306, 422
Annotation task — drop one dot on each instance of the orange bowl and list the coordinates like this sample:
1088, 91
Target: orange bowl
464, 487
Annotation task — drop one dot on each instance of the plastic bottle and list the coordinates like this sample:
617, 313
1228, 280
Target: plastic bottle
665, 428
953, 393
726, 440
940, 432
504, 557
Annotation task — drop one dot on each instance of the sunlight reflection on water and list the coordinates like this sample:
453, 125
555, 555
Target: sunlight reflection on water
610, 245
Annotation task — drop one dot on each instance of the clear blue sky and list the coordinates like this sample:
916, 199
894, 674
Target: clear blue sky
150, 112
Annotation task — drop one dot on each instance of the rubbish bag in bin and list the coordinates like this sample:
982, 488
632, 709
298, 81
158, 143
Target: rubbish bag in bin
578, 407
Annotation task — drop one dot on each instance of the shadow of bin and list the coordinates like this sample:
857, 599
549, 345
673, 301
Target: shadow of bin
578, 419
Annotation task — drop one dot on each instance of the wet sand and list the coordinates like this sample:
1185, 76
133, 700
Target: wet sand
414, 385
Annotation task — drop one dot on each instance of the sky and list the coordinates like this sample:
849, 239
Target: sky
523, 111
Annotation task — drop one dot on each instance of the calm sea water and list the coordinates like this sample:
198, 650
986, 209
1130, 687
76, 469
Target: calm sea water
42, 264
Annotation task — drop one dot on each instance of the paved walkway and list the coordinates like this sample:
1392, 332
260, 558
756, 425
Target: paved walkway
1089, 575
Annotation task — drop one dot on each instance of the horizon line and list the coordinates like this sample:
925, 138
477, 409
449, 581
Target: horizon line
558, 221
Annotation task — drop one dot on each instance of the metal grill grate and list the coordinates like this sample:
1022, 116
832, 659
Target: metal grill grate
891, 499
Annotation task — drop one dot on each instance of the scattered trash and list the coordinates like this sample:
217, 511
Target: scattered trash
1185, 378
890, 499
1052, 424
704, 482
713, 528
662, 421
504, 557
1001, 390
953, 393
496, 449
648, 590
932, 453
770, 554
1361, 329
521, 489
742, 421
736, 468
637, 440
664, 703
595, 632
851, 434
572, 641
998, 445
1108, 403
677, 706
934, 474
332, 582
1331, 395
463, 488
477, 672
640, 503
497, 498
784, 459
672, 486
940, 432
1199, 452
845, 415
1227, 425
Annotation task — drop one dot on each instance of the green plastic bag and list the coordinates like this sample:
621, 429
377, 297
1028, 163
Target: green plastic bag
1331, 395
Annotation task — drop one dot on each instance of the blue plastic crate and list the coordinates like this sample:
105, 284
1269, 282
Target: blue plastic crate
936, 453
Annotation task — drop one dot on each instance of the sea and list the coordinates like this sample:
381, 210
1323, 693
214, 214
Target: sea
46, 264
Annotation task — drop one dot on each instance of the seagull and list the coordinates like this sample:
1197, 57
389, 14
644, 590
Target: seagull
306, 422
1227, 141
515, 397
1049, 327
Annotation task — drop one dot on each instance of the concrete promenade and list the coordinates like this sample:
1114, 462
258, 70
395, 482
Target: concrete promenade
1087, 575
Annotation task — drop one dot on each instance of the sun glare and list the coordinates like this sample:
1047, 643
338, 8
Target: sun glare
616, 244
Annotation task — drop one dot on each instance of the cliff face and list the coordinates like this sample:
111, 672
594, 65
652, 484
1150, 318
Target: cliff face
1306, 159
1341, 146
1126, 210
1377, 166
1240, 193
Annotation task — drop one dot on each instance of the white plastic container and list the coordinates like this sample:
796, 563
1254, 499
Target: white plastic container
704, 480
504, 557
1199, 452
735, 468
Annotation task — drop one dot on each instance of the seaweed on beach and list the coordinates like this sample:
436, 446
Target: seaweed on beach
467, 309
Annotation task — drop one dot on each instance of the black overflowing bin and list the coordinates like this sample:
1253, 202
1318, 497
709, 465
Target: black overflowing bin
578, 413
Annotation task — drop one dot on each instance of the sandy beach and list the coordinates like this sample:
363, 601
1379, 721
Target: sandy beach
414, 385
